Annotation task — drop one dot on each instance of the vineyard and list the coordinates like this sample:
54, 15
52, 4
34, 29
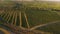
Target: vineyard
29, 18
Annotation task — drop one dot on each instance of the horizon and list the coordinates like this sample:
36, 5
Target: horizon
32, 0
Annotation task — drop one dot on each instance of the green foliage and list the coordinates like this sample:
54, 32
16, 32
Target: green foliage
55, 28
36, 17
37, 14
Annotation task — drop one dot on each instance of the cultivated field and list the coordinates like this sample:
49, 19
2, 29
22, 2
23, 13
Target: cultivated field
32, 16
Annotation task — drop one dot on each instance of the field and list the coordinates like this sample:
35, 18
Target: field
32, 16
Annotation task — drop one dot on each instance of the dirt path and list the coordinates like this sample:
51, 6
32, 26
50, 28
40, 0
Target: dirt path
3, 13
20, 19
13, 18
10, 16
26, 21
44, 25
6, 14
5, 31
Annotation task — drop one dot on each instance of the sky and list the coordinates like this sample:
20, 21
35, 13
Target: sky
38, 0
50, 0
32, 0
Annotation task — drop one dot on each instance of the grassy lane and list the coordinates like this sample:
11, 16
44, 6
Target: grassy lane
54, 28
6, 16
3, 13
13, 18
26, 20
20, 18
10, 14
24, 24
38, 26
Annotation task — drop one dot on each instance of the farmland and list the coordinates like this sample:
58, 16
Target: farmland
28, 15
